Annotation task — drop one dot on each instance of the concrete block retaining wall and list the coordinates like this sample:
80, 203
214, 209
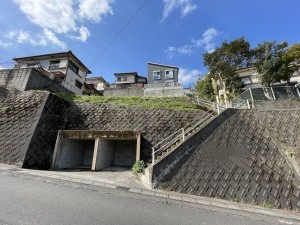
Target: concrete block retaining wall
239, 161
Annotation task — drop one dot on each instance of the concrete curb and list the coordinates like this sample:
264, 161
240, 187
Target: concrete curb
199, 200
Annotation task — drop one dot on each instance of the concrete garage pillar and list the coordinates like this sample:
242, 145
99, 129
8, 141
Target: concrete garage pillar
96, 150
103, 154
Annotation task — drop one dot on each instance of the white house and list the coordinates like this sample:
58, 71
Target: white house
64, 65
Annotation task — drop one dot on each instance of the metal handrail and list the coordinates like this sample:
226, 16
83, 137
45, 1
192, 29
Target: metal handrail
178, 137
182, 136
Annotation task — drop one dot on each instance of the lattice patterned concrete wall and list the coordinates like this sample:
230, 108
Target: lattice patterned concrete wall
41, 148
239, 161
155, 124
30, 123
19, 115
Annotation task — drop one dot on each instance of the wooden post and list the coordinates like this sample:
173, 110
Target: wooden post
138, 147
96, 146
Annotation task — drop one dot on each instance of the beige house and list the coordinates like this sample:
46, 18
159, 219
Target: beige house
64, 65
127, 80
99, 83
249, 77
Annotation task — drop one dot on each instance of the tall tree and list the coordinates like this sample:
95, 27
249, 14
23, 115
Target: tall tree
205, 87
291, 60
269, 62
226, 59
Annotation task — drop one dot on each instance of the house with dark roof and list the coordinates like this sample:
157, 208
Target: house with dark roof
63, 65
129, 80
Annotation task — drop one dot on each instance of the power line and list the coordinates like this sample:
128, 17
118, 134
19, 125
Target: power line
120, 32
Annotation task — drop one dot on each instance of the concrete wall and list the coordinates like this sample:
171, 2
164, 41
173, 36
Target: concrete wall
177, 157
240, 160
74, 153
15, 79
39, 81
105, 155
164, 92
176, 91
163, 69
124, 92
277, 105
125, 153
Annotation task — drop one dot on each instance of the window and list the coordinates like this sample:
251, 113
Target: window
54, 65
169, 74
78, 84
121, 79
156, 75
72, 67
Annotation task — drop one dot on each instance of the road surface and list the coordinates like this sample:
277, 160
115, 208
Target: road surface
25, 200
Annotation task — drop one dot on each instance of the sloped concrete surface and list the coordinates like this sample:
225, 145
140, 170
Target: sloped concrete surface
240, 161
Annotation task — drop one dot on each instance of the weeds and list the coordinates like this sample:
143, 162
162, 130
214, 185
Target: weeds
173, 103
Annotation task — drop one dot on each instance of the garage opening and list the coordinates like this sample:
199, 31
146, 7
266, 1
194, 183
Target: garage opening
76, 154
115, 153
96, 150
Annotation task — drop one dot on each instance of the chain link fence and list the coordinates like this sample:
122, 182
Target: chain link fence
265, 94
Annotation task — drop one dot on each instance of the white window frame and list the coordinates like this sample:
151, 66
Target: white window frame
155, 71
173, 75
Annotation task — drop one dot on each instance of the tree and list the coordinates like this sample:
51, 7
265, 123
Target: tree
205, 87
291, 59
270, 63
225, 60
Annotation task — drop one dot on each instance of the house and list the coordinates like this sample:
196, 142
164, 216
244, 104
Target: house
162, 74
63, 65
129, 80
249, 77
99, 83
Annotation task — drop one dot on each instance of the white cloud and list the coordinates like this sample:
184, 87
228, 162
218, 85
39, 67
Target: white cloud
23, 37
43, 39
188, 77
51, 37
185, 6
206, 42
93, 9
5, 44
189, 7
84, 34
58, 18
58, 15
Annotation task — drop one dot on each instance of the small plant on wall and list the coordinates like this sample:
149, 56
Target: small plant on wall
138, 167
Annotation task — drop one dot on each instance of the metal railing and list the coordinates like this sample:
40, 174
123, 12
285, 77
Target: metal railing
179, 135
265, 94
167, 142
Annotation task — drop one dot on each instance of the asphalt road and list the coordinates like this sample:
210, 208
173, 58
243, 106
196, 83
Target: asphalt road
28, 200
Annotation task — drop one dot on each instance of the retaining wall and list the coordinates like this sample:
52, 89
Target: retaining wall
239, 161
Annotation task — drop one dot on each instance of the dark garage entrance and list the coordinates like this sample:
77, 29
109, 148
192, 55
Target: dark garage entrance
96, 150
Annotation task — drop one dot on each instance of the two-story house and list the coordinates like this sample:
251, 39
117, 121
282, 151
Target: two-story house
99, 83
128, 80
162, 74
64, 65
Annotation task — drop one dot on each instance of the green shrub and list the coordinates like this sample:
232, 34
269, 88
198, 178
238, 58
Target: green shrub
138, 167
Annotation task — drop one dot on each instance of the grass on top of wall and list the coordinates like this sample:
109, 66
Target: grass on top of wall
174, 103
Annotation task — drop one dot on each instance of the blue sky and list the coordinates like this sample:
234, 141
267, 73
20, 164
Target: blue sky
114, 36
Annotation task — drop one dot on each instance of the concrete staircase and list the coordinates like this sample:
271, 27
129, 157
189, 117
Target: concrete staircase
168, 145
